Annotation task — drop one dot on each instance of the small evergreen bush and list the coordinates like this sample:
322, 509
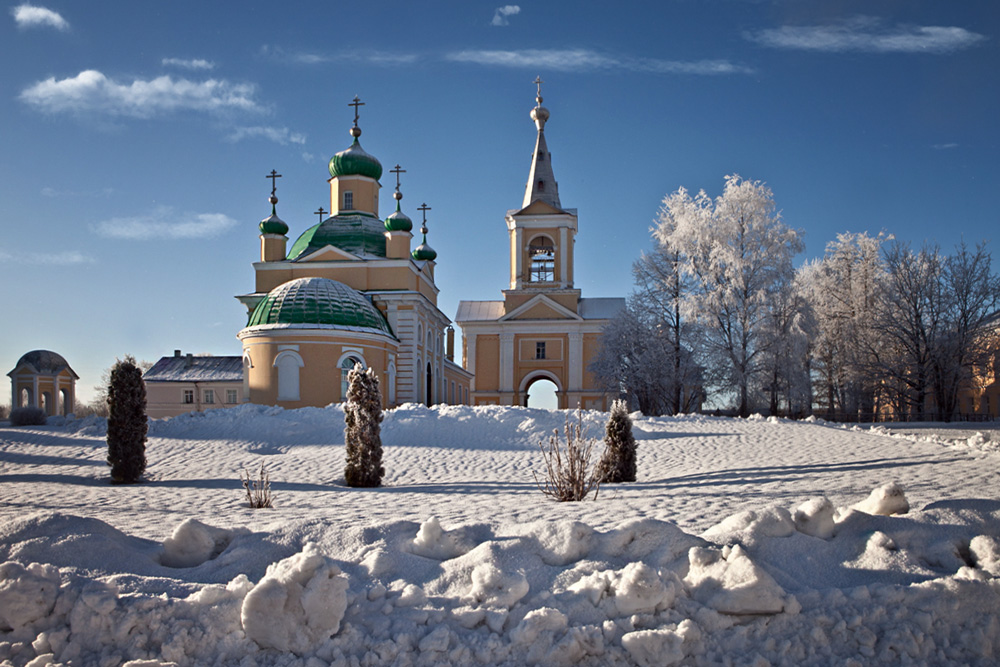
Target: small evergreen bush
29, 416
363, 414
126, 422
618, 462
568, 472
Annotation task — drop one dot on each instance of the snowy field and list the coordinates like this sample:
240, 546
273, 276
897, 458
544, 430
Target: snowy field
745, 542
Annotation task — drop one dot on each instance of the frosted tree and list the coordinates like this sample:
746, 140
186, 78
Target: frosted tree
843, 291
739, 254
127, 422
785, 367
618, 462
363, 416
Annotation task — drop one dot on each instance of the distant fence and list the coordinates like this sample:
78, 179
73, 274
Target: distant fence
874, 418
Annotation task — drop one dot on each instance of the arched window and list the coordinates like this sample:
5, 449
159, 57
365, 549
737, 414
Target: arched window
288, 364
346, 366
543, 260
25, 401
391, 380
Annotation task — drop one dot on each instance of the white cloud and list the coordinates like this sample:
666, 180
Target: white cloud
585, 59
279, 135
865, 34
92, 91
195, 64
30, 16
165, 224
53, 192
944, 147
501, 14
67, 258
380, 58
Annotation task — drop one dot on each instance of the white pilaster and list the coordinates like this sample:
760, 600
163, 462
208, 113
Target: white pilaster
575, 361
507, 362
563, 258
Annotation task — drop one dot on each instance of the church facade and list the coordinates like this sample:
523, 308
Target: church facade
350, 290
543, 329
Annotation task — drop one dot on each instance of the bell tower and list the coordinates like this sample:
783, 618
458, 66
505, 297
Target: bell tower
542, 233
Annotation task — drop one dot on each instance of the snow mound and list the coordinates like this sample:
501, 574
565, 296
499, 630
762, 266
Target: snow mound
652, 648
815, 517
194, 543
432, 541
637, 588
26, 593
729, 582
886, 500
985, 552
298, 604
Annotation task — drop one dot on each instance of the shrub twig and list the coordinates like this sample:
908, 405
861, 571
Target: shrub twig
569, 474
258, 490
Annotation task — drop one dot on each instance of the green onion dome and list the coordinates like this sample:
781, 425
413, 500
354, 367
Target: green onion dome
318, 303
273, 224
398, 221
357, 233
424, 252
355, 161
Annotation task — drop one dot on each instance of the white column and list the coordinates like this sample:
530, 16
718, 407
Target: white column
575, 357
563, 259
516, 259
506, 362
55, 398
36, 400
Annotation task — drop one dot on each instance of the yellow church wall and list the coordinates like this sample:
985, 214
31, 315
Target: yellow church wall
365, 194
487, 363
362, 276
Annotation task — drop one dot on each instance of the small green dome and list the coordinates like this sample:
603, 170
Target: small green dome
357, 233
273, 225
398, 221
355, 162
424, 252
318, 303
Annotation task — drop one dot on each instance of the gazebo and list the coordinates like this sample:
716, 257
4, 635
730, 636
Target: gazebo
43, 379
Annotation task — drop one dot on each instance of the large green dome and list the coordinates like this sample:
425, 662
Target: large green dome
357, 233
318, 303
355, 162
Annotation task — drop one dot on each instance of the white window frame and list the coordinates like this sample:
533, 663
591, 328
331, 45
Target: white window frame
288, 363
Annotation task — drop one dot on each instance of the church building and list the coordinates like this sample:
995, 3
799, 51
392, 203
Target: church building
543, 329
349, 290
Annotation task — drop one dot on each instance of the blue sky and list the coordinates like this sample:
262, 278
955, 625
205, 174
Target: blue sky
136, 138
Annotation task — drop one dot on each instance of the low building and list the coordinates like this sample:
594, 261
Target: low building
187, 383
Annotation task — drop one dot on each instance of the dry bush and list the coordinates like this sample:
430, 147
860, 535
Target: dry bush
569, 474
29, 416
258, 490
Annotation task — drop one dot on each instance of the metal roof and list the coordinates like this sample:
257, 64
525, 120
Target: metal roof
601, 308
479, 311
196, 369
44, 362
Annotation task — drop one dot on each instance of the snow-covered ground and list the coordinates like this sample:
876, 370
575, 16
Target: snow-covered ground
747, 542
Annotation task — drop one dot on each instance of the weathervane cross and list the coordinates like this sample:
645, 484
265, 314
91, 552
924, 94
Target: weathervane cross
274, 176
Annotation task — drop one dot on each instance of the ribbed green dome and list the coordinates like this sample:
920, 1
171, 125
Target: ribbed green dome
357, 233
318, 303
355, 162
273, 225
398, 221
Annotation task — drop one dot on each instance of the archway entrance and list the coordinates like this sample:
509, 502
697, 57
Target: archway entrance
541, 393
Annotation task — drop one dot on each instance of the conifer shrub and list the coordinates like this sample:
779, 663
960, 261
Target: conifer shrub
363, 414
618, 462
126, 422
569, 474
29, 416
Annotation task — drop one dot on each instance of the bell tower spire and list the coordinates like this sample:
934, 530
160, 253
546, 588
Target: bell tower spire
541, 180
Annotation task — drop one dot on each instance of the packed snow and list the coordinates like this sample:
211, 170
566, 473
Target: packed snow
743, 541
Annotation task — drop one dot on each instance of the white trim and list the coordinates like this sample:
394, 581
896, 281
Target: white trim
349, 353
292, 391
541, 299
339, 253
531, 376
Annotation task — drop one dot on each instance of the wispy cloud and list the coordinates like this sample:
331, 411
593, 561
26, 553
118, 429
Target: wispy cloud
91, 91
944, 147
165, 223
53, 192
866, 34
501, 14
279, 135
67, 258
379, 58
31, 16
585, 59
193, 64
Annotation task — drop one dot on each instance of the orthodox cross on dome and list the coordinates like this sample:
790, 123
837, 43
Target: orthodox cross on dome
397, 195
320, 213
538, 82
423, 208
356, 103
274, 176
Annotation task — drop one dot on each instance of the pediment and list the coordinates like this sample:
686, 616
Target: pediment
329, 253
539, 207
540, 307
